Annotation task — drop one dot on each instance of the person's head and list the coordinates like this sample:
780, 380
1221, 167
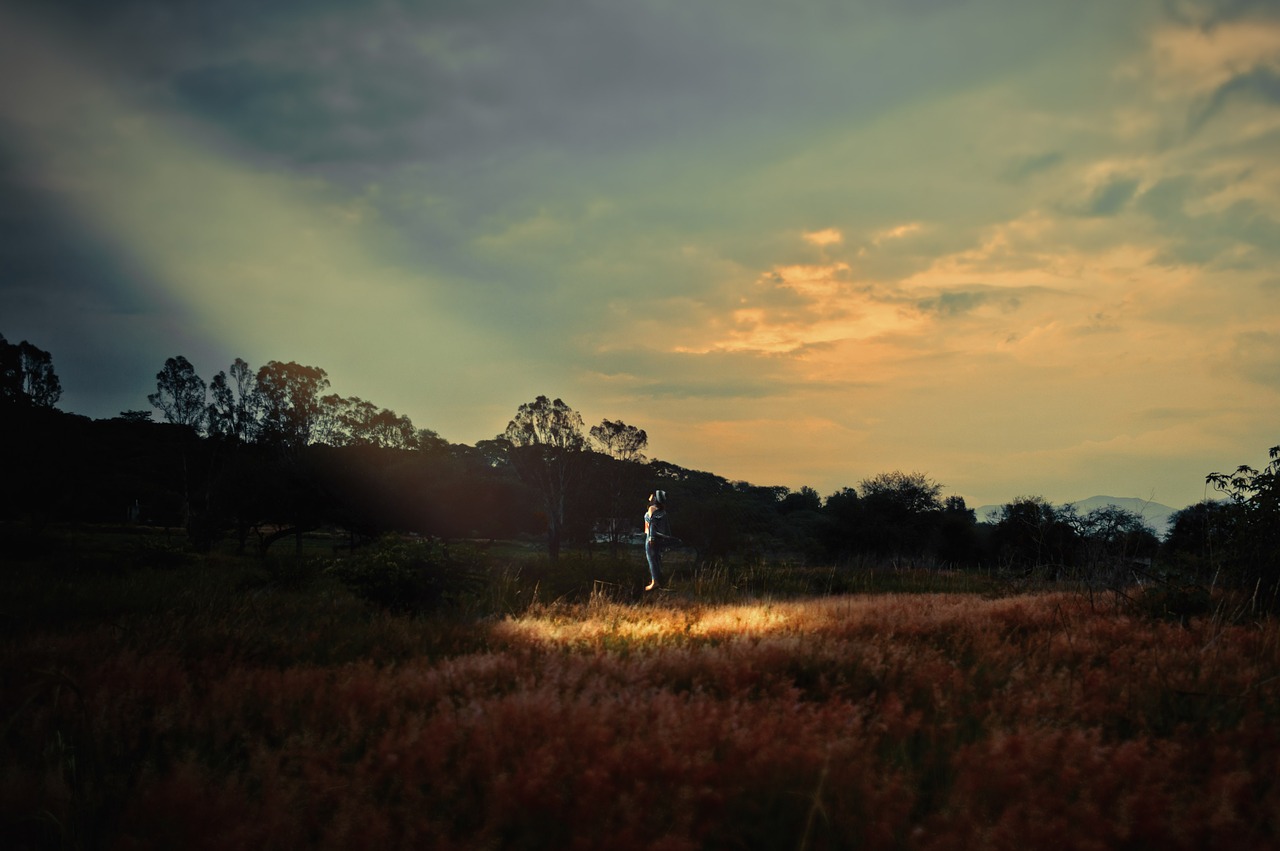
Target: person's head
657, 498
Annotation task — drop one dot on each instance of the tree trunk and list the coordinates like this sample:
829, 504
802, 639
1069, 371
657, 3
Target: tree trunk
553, 540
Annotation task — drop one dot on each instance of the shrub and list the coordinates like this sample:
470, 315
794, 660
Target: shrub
408, 576
1175, 602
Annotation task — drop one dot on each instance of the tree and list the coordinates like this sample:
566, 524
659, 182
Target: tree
622, 445
1257, 492
291, 406
546, 444
27, 376
1253, 552
805, 499
233, 412
1030, 532
804, 526
429, 440
620, 441
901, 511
355, 422
1200, 534
180, 397
844, 516
957, 532
912, 493
1111, 537
180, 394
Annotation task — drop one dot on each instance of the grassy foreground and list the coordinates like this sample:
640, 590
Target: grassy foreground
187, 708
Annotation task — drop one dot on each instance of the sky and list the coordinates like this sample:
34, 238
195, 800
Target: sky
1023, 248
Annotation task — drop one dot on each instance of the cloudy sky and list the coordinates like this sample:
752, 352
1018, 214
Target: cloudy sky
1025, 248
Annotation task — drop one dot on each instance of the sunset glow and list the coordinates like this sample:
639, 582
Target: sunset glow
1027, 248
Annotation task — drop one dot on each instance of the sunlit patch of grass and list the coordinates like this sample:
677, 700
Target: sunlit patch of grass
226, 705
605, 622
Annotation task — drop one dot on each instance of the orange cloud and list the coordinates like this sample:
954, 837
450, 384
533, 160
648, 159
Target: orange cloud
897, 232
828, 236
1197, 60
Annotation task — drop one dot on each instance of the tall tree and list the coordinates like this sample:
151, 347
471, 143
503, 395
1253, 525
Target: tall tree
233, 411
624, 445
620, 441
901, 511
957, 532
355, 422
546, 448
1030, 532
1253, 553
180, 393
1110, 537
292, 410
27, 376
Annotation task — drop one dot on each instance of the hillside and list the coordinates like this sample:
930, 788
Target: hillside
1157, 515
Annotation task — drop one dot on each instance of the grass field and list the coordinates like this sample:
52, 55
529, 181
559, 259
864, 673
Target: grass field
217, 704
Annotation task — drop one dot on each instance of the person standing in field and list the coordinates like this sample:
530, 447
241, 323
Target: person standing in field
657, 531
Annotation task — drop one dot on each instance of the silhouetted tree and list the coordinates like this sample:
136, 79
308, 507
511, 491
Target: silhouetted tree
291, 406
1200, 537
621, 479
620, 441
844, 520
804, 525
1030, 533
1253, 555
180, 398
180, 394
957, 533
546, 446
355, 422
234, 409
705, 510
900, 511
1112, 539
428, 440
27, 376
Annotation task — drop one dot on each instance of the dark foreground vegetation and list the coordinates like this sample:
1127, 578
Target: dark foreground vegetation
154, 697
285, 619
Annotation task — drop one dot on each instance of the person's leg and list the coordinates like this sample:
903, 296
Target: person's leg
654, 556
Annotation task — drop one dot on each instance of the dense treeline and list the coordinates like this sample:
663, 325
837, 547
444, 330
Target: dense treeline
253, 457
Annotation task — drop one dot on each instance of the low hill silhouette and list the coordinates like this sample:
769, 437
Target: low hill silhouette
1159, 516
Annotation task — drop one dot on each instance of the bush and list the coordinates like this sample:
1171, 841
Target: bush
408, 576
1175, 602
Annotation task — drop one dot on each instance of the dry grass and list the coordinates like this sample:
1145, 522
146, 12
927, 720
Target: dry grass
895, 721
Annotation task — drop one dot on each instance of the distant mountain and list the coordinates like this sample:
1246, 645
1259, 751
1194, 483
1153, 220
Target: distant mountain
1158, 516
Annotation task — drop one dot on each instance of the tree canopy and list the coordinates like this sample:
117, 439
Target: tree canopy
215, 464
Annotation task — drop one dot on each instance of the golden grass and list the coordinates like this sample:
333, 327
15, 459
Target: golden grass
893, 721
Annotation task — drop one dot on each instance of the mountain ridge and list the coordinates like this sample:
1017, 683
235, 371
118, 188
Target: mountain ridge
1158, 515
